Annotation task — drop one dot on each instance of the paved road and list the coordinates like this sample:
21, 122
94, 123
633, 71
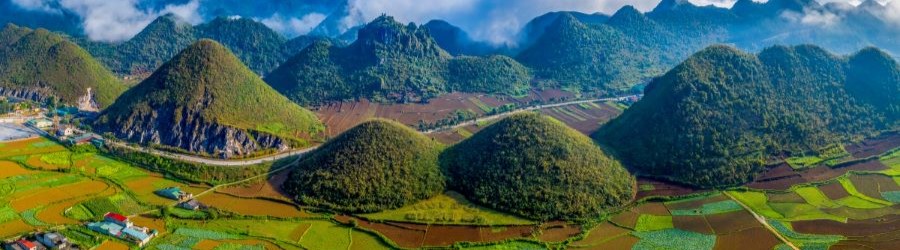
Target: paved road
763, 221
501, 115
245, 162
210, 161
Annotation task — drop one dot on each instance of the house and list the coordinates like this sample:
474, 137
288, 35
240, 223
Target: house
65, 131
139, 235
82, 139
53, 240
119, 226
174, 193
106, 227
117, 219
26, 245
191, 204
40, 123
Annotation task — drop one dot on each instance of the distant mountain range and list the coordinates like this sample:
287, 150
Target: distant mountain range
258, 46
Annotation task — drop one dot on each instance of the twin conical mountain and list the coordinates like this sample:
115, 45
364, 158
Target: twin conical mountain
205, 101
374, 166
536, 167
38, 64
716, 119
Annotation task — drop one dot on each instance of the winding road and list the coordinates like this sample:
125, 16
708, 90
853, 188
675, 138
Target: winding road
282, 155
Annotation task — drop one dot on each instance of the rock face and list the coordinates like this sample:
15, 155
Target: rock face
205, 101
34, 94
191, 132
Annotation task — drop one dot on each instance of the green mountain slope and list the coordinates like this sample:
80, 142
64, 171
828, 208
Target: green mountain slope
374, 166
38, 64
536, 167
718, 117
257, 46
205, 101
389, 62
582, 57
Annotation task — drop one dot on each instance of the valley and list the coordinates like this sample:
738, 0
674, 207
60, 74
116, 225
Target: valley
350, 124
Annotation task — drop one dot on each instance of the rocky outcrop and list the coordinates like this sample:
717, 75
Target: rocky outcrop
193, 133
34, 94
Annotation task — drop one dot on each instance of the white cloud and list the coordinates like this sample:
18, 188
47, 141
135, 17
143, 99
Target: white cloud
496, 21
113, 20
41, 5
293, 26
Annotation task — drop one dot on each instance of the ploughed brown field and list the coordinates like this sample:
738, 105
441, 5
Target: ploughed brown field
338, 117
876, 233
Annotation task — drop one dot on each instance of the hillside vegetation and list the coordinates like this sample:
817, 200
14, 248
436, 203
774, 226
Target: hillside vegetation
536, 167
256, 45
374, 166
41, 64
205, 100
391, 62
718, 117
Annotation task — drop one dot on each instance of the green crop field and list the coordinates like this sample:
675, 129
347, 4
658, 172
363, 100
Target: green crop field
674, 239
448, 208
481, 105
647, 222
711, 208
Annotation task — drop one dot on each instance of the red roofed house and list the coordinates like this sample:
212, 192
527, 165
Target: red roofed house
27, 245
118, 219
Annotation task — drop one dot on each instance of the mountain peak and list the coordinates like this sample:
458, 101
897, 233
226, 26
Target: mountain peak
204, 100
627, 14
668, 5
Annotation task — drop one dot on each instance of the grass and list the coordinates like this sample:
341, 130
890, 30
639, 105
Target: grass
57, 158
711, 208
803, 211
848, 185
804, 241
274, 229
674, 239
463, 132
646, 187
29, 217
815, 197
79, 212
481, 105
803, 162
206, 234
648, 222
365, 241
757, 201
7, 213
326, 235
448, 208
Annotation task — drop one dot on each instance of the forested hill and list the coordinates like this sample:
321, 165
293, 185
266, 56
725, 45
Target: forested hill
38, 64
205, 101
718, 117
255, 44
391, 62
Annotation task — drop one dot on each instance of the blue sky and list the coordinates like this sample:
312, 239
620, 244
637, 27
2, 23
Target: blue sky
496, 21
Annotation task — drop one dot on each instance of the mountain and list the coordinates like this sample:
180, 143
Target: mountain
455, 40
388, 62
205, 101
258, 46
255, 44
374, 166
38, 64
535, 28
536, 167
578, 56
719, 117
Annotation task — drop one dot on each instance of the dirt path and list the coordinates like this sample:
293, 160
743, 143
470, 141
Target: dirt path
764, 222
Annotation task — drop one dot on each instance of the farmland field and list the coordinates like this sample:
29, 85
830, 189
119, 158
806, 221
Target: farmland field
47, 185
